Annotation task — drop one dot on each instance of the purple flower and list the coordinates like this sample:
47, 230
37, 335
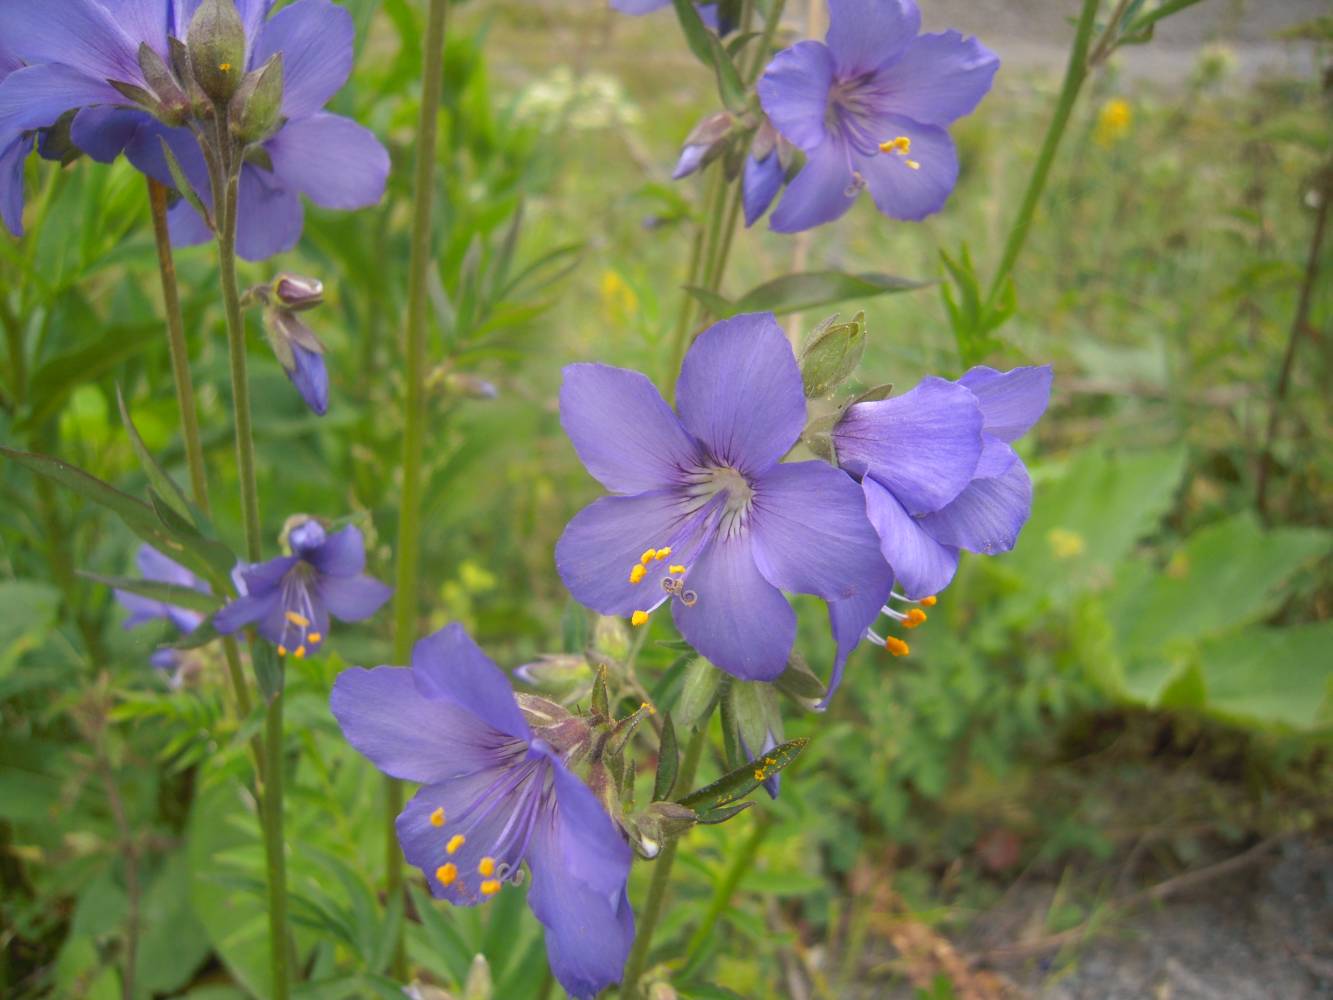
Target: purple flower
760, 184
14, 150
73, 48
706, 512
291, 598
870, 106
938, 472
707, 11
494, 797
153, 565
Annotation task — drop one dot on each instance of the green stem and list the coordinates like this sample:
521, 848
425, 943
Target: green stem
1075, 73
274, 854
726, 886
180, 355
18, 359
405, 604
652, 906
684, 319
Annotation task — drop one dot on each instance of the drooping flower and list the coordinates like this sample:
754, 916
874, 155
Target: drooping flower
153, 565
88, 54
295, 345
870, 107
705, 513
494, 796
291, 598
938, 472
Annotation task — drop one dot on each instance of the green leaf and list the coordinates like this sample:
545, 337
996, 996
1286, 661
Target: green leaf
168, 593
212, 553
157, 477
710, 51
29, 614
668, 760
1271, 676
714, 816
809, 290
58, 378
717, 305
697, 692
742, 781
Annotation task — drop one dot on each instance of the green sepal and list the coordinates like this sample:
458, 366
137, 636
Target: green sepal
831, 354
714, 816
668, 760
601, 702
698, 691
182, 184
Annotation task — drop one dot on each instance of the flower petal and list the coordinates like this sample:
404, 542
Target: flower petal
262, 577
81, 35
580, 866
987, 516
316, 40
187, 227
406, 734
921, 565
923, 445
605, 540
996, 457
864, 34
12, 159
342, 554
901, 191
761, 184
36, 96
143, 21
740, 392
740, 622
849, 620
638, 6
794, 93
330, 159
939, 79
811, 535
820, 193
1012, 401
247, 610
310, 375
448, 665
103, 132
624, 432
271, 215
144, 150
352, 598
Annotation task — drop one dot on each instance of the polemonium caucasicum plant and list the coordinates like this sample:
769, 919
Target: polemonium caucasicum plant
496, 795
870, 107
295, 345
705, 514
154, 566
246, 88
290, 599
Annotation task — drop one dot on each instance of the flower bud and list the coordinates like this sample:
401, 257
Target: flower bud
256, 111
705, 143
216, 40
297, 292
565, 678
566, 734
659, 823
301, 355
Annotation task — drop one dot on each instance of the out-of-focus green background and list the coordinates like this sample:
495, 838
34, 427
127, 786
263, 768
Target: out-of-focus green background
1041, 799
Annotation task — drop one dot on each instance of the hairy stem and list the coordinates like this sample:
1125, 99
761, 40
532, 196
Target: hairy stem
180, 355
405, 604
1075, 73
652, 906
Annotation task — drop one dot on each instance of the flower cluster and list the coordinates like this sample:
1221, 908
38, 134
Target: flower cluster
189, 75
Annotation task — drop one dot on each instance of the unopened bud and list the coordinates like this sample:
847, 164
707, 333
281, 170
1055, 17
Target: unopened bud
301, 355
566, 734
256, 111
610, 637
565, 678
706, 142
216, 39
659, 823
297, 292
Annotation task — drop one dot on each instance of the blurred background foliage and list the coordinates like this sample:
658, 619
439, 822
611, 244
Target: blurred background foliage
1143, 687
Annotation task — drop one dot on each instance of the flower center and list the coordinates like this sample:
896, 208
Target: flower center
298, 612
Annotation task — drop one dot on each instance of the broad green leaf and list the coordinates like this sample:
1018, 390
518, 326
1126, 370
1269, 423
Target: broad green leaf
809, 290
1271, 676
208, 551
172, 942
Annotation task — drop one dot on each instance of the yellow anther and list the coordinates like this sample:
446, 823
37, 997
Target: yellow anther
437, 817
225, 67
490, 887
661, 554
912, 164
896, 646
299, 652
455, 842
638, 618
446, 873
675, 568
914, 618
486, 867
648, 556
282, 650
901, 144
314, 637
930, 601
637, 574
300, 621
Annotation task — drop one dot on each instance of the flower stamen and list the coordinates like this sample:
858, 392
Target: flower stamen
901, 145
